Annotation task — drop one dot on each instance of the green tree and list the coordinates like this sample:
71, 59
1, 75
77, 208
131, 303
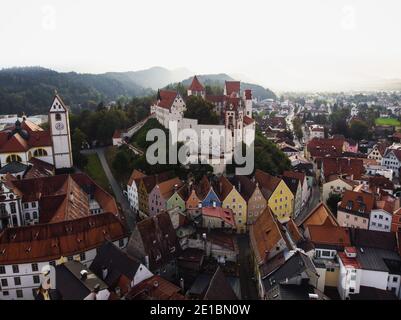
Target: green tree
358, 130
332, 202
77, 140
202, 110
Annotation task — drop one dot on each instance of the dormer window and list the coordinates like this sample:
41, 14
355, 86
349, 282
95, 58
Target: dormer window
349, 205
58, 117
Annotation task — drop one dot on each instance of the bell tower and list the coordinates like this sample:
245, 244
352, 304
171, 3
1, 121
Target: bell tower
60, 134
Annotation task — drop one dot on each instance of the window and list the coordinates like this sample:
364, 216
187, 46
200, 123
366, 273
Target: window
19, 294
2, 269
35, 267
5, 293
13, 207
15, 268
82, 256
33, 204
13, 157
40, 153
4, 283
35, 215
36, 279
26, 205
326, 253
395, 279
121, 243
17, 281
27, 216
58, 117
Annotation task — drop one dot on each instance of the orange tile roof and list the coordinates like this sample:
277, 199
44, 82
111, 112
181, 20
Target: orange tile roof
167, 188
320, 215
265, 233
46, 242
358, 200
136, 174
224, 188
329, 235
248, 120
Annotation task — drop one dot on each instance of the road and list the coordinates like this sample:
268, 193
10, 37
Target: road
118, 193
248, 286
313, 202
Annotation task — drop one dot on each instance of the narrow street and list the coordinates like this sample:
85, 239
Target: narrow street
313, 202
248, 286
118, 193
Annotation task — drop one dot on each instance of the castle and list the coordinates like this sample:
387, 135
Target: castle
234, 110
25, 140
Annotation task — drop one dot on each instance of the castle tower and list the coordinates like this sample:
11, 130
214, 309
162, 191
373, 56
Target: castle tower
60, 134
248, 102
196, 88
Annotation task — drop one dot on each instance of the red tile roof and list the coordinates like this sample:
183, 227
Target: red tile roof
23, 138
349, 166
136, 174
155, 288
248, 120
224, 214
46, 242
196, 85
232, 86
167, 98
360, 203
325, 147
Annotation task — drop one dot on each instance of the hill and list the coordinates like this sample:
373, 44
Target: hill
31, 89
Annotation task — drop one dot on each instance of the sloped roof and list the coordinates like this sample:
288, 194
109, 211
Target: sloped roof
46, 242
136, 174
232, 86
267, 182
245, 186
219, 288
224, 187
167, 98
265, 233
360, 203
225, 214
117, 263
248, 120
328, 235
168, 187
155, 288
196, 85
320, 215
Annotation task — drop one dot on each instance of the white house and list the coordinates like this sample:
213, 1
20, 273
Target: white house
380, 220
336, 185
392, 160
132, 189
368, 267
316, 131
373, 170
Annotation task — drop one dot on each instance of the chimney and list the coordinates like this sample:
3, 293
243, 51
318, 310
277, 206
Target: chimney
147, 261
214, 204
182, 285
84, 275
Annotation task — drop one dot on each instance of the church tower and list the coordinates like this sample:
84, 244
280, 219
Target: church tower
60, 134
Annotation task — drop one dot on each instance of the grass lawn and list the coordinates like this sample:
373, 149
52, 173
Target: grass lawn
95, 170
387, 122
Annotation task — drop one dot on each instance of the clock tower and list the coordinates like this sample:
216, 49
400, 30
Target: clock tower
60, 134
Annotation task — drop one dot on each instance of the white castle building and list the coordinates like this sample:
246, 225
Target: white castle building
25, 140
235, 112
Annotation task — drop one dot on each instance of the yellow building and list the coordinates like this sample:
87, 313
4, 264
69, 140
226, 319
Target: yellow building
233, 200
279, 197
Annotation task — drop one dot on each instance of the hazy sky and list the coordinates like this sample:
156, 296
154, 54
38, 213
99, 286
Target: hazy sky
299, 44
